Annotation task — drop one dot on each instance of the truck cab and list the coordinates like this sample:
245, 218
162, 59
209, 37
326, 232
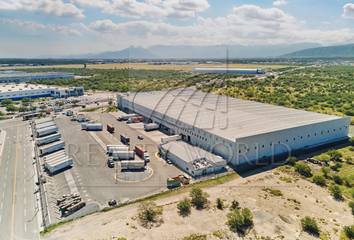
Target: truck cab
146, 157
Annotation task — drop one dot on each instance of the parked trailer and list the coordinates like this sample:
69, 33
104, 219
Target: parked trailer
126, 117
123, 155
48, 139
51, 147
174, 182
136, 164
55, 161
51, 155
141, 152
56, 155
60, 165
151, 126
116, 146
43, 120
124, 139
135, 119
118, 149
46, 131
171, 138
110, 128
45, 125
92, 126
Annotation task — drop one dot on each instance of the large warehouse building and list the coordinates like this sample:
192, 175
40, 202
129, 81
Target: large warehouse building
228, 71
19, 76
239, 131
18, 91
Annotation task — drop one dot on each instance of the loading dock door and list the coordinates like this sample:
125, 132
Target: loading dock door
189, 138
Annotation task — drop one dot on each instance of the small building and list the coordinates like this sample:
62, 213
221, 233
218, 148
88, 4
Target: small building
81, 117
193, 160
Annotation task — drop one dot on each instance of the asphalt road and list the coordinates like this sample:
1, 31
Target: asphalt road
18, 205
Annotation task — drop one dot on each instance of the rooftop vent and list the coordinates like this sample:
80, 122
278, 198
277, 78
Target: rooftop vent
10, 90
20, 88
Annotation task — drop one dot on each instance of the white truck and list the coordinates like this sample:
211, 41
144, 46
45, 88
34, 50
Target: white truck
43, 120
118, 149
151, 126
45, 125
60, 165
48, 139
126, 117
171, 138
136, 164
51, 147
92, 126
123, 155
46, 131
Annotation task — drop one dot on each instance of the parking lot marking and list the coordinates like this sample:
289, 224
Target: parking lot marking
3, 194
5, 176
25, 212
4, 184
1, 205
24, 200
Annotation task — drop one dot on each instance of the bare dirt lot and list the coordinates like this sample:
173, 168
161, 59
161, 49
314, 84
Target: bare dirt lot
275, 216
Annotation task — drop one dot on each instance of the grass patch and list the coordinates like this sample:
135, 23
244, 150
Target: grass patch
274, 192
91, 109
111, 109
286, 179
53, 226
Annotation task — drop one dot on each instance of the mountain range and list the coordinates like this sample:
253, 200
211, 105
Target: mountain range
332, 51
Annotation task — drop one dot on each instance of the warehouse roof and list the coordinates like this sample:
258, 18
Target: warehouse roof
20, 74
230, 118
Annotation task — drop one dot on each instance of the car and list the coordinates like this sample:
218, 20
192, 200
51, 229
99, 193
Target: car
73, 119
110, 163
140, 137
112, 202
168, 161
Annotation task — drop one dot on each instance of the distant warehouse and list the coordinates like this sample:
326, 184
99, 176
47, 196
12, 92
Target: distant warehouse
228, 71
19, 76
240, 131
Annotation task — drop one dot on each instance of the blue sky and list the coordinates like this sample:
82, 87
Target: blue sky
31, 28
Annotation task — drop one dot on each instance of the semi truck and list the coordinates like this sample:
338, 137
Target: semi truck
45, 125
123, 155
46, 131
110, 128
171, 138
151, 126
48, 139
121, 148
135, 119
141, 152
126, 117
124, 139
92, 126
136, 164
52, 168
51, 147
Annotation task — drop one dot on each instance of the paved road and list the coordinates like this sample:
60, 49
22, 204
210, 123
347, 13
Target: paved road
18, 205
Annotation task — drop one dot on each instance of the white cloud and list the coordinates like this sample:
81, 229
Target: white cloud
46, 7
155, 9
37, 27
326, 22
348, 10
280, 2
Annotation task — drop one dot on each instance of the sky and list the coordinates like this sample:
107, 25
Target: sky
32, 28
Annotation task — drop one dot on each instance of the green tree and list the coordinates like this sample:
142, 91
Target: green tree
61, 103
309, 225
110, 103
184, 206
337, 179
325, 171
349, 231
235, 219
148, 211
1, 113
33, 108
11, 108
336, 192
25, 100
319, 180
7, 102
43, 107
23, 109
75, 102
303, 169
199, 198
291, 161
248, 217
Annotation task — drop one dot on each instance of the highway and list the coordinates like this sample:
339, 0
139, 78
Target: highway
18, 205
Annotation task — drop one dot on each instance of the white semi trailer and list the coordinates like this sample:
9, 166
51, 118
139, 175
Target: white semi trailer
151, 126
46, 131
60, 155
136, 164
123, 155
171, 138
60, 165
45, 125
51, 147
48, 139
53, 161
121, 148
92, 126
43, 120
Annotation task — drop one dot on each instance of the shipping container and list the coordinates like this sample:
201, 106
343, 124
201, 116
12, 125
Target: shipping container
137, 164
141, 152
51, 147
135, 119
124, 139
48, 139
46, 131
123, 155
126, 117
110, 128
151, 126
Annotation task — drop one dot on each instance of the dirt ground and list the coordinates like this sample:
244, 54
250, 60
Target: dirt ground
274, 216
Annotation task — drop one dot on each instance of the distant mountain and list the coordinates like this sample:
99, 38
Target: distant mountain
332, 51
234, 51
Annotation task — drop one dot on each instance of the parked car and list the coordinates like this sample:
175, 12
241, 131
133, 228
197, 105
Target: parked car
112, 202
140, 137
110, 163
73, 119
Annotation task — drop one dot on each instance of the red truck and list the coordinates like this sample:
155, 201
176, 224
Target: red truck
135, 119
110, 128
142, 153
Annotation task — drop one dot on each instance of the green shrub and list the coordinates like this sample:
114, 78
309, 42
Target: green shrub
325, 171
148, 210
303, 169
291, 161
309, 225
336, 192
235, 219
319, 180
219, 204
336, 166
247, 216
351, 140
351, 205
349, 231
274, 192
184, 206
334, 154
337, 179
199, 198
234, 205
